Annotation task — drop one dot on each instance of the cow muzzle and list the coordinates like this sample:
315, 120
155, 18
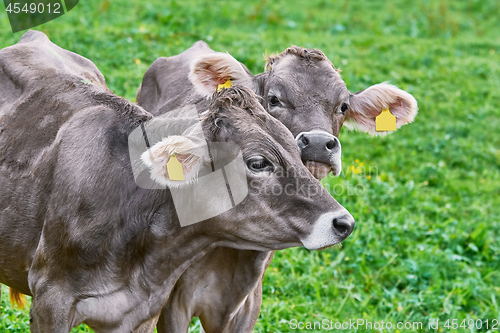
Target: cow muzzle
321, 152
330, 229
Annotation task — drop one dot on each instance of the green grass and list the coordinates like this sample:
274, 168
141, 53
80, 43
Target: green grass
427, 243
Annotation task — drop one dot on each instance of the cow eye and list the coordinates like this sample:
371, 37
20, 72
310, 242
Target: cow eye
274, 101
344, 108
259, 164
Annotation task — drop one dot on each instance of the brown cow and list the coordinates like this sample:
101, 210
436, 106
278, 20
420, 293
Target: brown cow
300, 88
78, 232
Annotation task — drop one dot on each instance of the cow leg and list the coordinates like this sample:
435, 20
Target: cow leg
245, 318
33, 322
51, 312
217, 295
148, 326
174, 320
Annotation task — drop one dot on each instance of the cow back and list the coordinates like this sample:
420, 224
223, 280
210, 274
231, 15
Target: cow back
165, 85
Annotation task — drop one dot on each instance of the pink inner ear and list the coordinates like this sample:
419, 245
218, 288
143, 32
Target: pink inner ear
183, 159
401, 111
220, 80
211, 77
368, 104
211, 70
212, 80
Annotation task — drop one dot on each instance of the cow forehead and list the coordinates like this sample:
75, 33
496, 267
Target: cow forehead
269, 137
282, 136
262, 132
249, 122
298, 78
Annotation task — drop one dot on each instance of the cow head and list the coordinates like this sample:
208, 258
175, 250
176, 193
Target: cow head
302, 89
285, 205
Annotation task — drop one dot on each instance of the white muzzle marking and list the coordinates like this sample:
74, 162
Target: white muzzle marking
324, 233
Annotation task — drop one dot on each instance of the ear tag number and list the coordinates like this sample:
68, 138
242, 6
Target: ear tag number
227, 84
174, 168
385, 121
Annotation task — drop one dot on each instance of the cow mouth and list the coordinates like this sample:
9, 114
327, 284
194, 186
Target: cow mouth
339, 245
318, 169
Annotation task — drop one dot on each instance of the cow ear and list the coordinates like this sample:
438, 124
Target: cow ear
165, 170
210, 70
366, 105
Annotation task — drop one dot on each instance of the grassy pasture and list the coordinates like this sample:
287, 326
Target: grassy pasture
426, 198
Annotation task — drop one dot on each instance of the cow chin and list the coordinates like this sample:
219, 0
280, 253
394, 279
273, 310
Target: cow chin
328, 246
318, 169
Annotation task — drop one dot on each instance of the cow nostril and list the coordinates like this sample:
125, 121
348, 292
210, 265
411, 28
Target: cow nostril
305, 140
330, 144
343, 226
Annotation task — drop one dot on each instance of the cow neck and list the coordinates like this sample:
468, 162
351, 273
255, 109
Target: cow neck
185, 247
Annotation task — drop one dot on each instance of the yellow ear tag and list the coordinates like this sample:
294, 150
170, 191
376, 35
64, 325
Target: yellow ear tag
385, 121
227, 84
174, 168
